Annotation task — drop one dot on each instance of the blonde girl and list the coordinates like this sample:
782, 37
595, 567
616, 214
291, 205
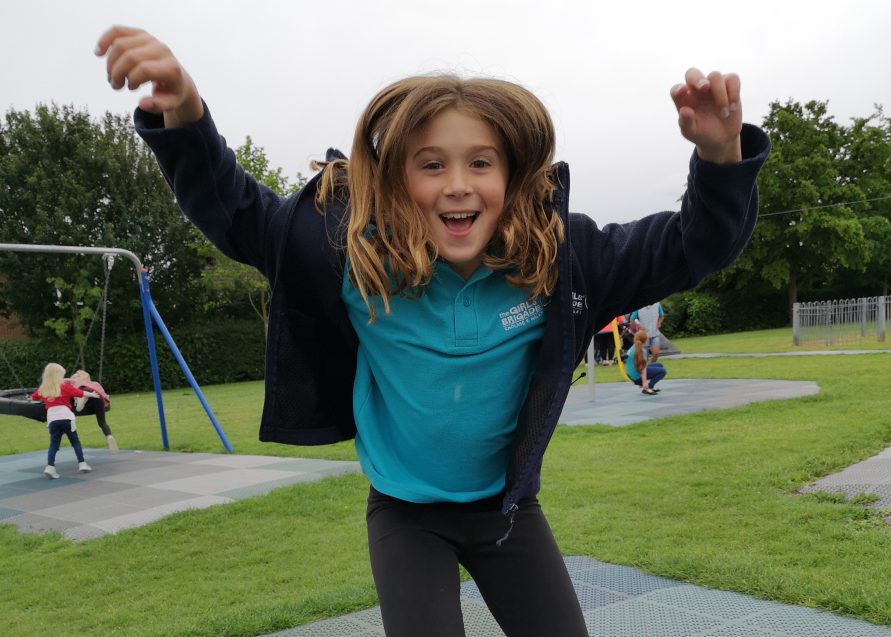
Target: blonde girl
431, 297
56, 396
96, 406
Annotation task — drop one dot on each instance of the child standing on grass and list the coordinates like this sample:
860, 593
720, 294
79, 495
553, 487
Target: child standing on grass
431, 297
56, 397
96, 406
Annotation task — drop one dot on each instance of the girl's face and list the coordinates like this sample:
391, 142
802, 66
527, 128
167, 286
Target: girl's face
456, 172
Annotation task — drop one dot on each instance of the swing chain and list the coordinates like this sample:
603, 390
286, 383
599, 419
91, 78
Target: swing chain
12, 369
80, 362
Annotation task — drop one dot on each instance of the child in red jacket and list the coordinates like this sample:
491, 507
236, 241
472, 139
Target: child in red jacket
56, 397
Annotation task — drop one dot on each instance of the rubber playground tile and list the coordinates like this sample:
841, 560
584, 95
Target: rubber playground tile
310, 464
622, 579
243, 493
42, 483
27, 502
155, 475
591, 597
149, 497
636, 617
795, 621
8, 513
213, 483
723, 605
131, 488
240, 462
36, 523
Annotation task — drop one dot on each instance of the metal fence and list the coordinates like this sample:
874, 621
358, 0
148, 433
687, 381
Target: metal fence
842, 322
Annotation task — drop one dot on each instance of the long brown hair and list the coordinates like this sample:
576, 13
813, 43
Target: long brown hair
640, 339
388, 243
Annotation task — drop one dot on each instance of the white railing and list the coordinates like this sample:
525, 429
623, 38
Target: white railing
841, 322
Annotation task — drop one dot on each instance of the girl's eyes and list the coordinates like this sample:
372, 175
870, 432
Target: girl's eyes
476, 163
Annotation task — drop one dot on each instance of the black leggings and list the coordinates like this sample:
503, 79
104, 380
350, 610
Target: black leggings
606, 345
96, 406
415, 551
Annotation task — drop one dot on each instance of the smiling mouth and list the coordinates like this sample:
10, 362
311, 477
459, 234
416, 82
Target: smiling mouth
459, 221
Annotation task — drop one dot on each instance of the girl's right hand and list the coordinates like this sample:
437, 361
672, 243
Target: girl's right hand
134, 57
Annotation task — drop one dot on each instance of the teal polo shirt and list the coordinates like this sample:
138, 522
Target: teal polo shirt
440, 382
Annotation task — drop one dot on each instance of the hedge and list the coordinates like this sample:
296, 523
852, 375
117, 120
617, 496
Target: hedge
221, 352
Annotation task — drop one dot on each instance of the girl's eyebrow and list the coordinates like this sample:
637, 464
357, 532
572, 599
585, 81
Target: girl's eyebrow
471, 150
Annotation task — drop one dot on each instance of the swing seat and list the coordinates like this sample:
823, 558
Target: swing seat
17, 402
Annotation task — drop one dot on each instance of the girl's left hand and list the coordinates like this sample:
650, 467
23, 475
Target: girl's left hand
710, 114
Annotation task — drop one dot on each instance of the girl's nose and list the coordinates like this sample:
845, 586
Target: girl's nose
457, 184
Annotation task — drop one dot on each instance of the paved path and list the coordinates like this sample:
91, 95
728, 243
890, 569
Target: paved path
618, 601
133, 488
620, 404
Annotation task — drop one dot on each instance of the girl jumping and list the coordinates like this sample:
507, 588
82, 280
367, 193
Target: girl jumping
431, 297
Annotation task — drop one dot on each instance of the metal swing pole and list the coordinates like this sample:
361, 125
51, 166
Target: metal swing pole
149, 313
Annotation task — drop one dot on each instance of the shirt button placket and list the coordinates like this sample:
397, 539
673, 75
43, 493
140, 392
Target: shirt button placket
467, 333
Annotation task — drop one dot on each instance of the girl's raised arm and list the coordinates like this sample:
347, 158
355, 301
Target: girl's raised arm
134, 57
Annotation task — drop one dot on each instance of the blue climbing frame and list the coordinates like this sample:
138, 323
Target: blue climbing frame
150, 315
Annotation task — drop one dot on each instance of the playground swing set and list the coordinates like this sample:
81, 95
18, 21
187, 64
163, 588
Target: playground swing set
17, 401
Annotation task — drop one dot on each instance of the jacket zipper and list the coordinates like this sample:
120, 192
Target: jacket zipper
510, 527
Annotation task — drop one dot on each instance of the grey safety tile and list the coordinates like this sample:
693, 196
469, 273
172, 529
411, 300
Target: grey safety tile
239, 462
263, 488
739, 630
338, 469
794, 621
8, 513
478, 621
222, 481
338, 627
303, 465
370, 617
576, 563
93, 486
9, 477
35, 523
41, 484
636, 618
88, 511
722, 605
148, 497
623, 579
591, 597
83, 533
35, 500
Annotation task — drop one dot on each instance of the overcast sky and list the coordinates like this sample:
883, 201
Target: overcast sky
296, 75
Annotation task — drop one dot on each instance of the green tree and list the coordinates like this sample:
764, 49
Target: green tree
809, 233
233, 286
66, 179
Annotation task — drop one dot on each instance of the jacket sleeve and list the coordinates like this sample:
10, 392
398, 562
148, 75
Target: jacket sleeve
229, 206
635, 264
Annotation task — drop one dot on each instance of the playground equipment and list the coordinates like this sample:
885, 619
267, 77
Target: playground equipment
12, 401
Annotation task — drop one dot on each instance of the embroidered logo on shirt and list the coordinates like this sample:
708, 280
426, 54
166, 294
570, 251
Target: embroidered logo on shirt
521, 314
578, 303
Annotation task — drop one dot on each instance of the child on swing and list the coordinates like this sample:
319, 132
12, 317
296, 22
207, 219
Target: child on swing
444, 244
96, 406
56, 397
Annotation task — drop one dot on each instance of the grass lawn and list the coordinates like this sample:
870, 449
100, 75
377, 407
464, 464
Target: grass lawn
708, 498
757, 341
